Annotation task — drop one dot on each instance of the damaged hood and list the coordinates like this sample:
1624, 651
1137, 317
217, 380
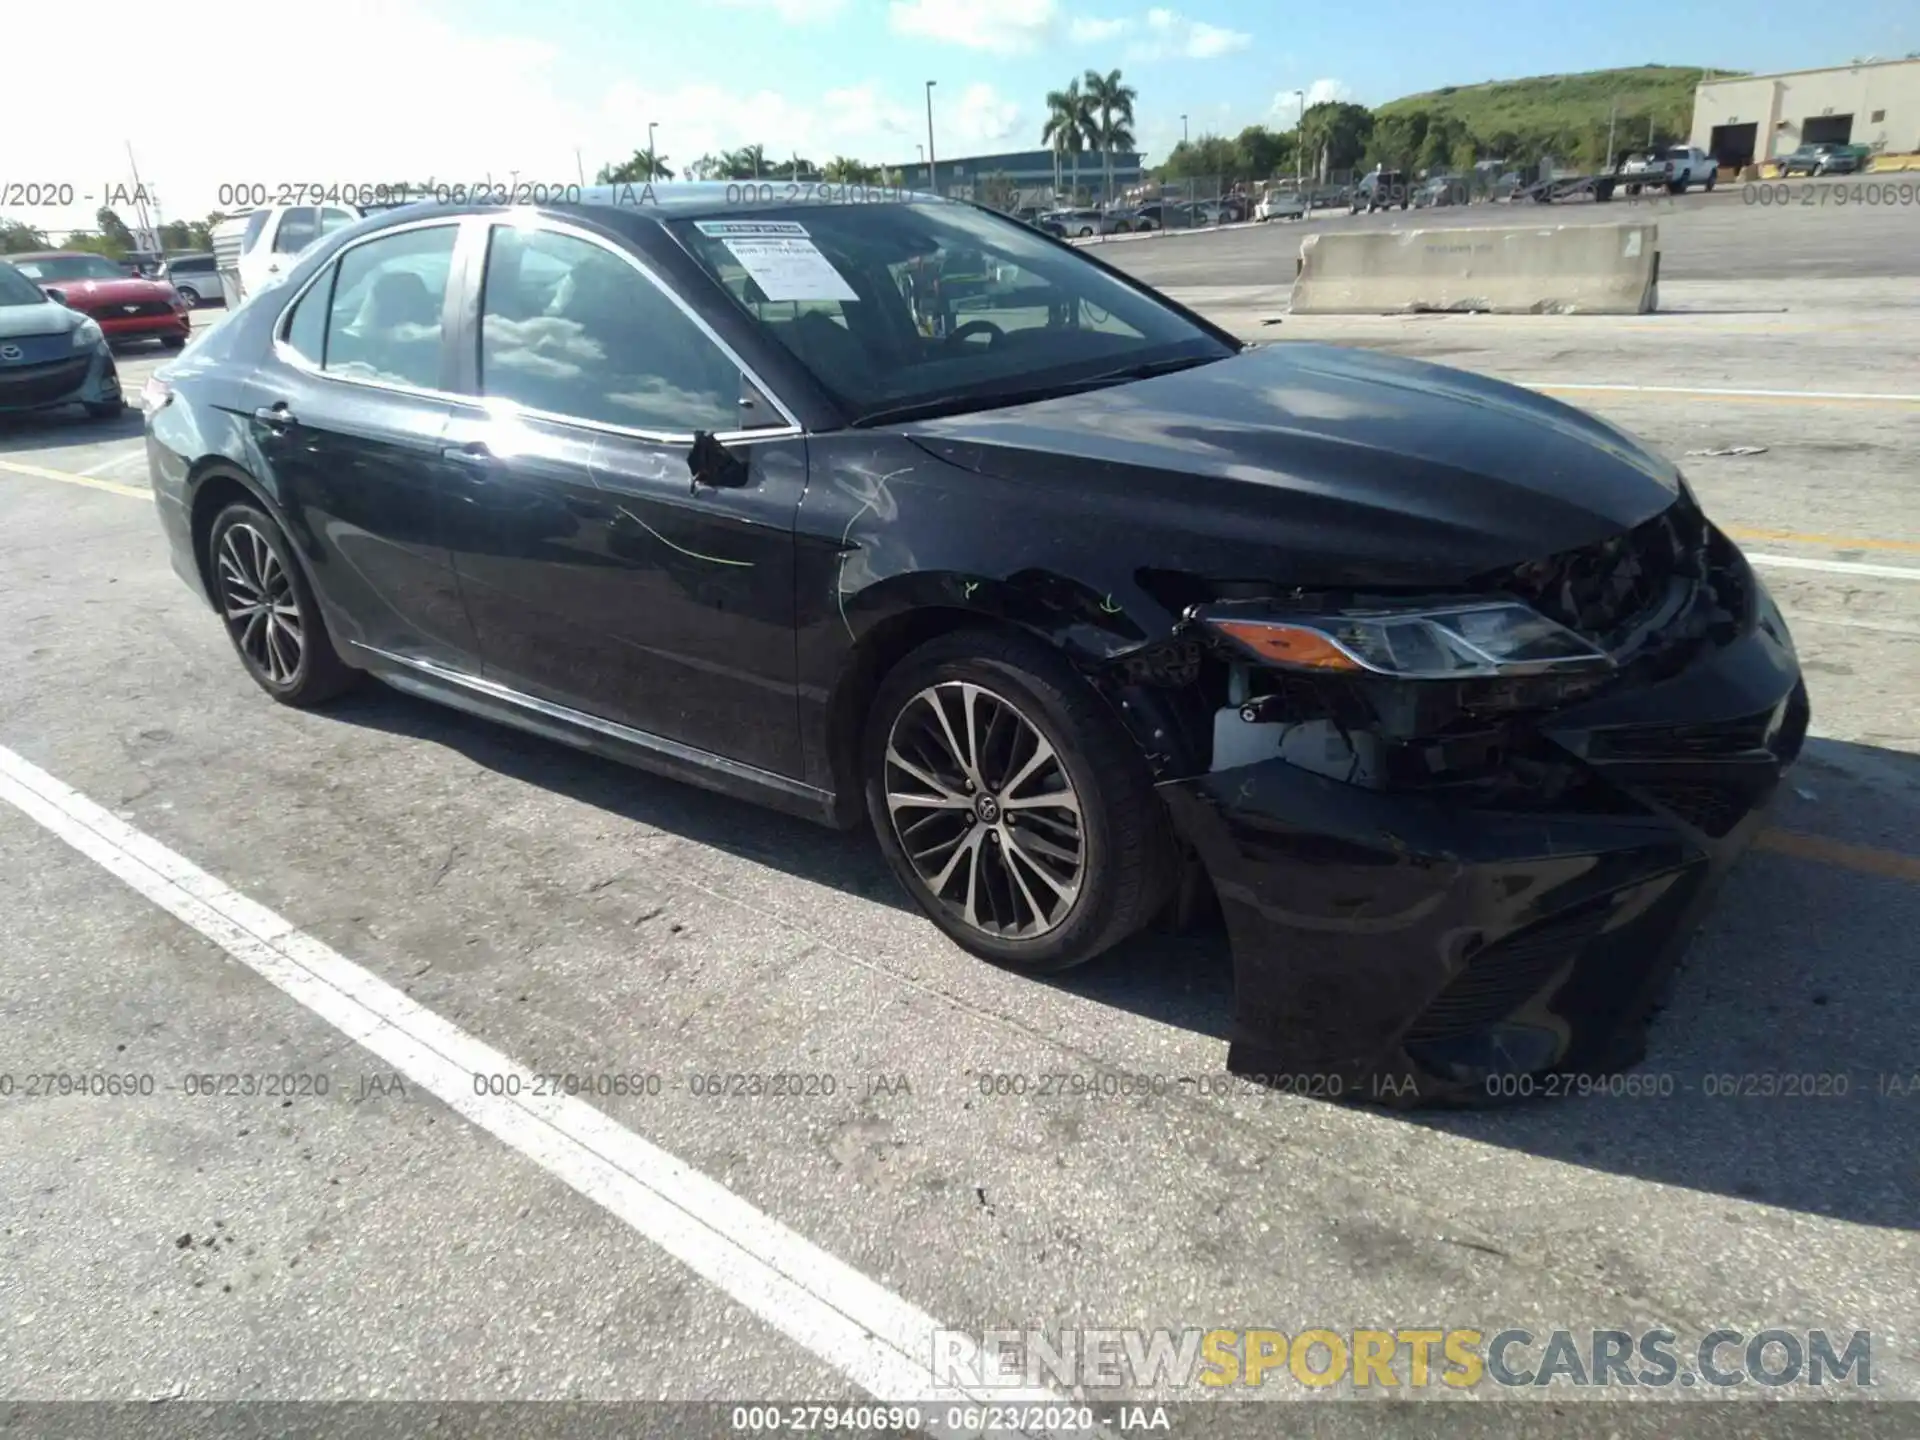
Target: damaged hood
1323, 465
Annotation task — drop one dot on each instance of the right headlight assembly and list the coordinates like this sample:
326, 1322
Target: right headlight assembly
1492, 638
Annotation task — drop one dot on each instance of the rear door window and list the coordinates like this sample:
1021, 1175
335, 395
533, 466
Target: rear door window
383, 321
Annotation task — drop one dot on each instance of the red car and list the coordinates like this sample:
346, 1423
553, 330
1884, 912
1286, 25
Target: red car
125, 308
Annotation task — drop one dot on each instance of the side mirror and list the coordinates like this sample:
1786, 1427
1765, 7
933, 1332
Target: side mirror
711, 463
59, 297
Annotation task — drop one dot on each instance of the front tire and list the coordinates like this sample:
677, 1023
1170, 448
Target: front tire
190, 295
106, 410
172, 342
1012, 805
270, 612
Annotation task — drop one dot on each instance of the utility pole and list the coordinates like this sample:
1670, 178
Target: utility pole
1299, 135
1611, 114
931, 185
653, 151
579, 167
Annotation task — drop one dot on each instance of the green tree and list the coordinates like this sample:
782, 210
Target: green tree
1110, 119
1335, 134
18, 238
749, 162
847, 170
642, 165
1264, 152
1209, 157
705, 168
113, 229
1070, 122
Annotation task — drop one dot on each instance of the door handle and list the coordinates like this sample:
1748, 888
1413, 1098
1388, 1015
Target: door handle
474, 455
276, 416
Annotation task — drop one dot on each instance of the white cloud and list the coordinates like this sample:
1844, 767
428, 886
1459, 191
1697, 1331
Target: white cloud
794, 12
1000, 27
1322, 91
487, 105
1091, 30
1170, 35
985, 119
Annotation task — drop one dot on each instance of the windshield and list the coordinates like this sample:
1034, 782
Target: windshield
903, 305
16, 289
70, 267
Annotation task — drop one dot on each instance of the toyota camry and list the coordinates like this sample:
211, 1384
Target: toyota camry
903, 514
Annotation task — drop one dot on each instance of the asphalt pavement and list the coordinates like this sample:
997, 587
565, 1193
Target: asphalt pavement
182, 859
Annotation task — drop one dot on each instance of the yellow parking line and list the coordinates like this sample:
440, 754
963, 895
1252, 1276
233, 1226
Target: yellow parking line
1837, 542
67, 477
1864, 859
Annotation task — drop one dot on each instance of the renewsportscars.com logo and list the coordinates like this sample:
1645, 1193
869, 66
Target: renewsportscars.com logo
1171, 1361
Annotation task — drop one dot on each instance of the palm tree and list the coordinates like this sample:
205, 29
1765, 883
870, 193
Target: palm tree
1110, 102
845, 169
642, 165
706, 167
749, 162
1069, 122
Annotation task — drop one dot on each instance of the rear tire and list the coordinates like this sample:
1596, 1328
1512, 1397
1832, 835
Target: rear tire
190, 295
270, 612
1061, 848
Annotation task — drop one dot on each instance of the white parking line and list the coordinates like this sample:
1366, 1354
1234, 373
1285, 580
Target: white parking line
1837, 567
863, 1330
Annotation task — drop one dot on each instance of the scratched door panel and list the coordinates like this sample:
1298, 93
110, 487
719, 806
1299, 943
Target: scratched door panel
697, 587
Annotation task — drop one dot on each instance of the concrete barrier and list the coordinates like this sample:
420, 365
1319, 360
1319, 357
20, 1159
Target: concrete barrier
1534, 270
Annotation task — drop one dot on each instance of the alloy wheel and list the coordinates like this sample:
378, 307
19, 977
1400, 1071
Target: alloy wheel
985, 811
256, 596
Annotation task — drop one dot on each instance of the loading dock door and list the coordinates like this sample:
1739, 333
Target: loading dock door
1826, 130
1732, 145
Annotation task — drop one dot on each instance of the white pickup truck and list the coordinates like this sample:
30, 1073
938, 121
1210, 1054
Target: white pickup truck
252, 251
1675, 167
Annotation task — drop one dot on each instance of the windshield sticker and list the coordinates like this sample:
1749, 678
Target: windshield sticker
789, 267
724, 229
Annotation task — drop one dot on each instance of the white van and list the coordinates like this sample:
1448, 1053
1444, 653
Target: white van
254, 250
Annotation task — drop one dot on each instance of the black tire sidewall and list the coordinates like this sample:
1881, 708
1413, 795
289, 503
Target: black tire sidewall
1037, 695
320, 674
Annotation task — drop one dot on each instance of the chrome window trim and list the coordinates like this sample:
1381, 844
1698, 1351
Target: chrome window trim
287, 355
613, 729
532, 220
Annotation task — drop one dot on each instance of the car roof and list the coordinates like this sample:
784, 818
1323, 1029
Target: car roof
56, 255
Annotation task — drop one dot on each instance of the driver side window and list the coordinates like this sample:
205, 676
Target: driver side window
570, 328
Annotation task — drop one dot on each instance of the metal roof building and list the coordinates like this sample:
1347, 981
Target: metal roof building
1749, 119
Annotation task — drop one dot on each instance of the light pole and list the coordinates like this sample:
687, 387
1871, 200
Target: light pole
930, 160
1184, 137
653, 153
1299, 136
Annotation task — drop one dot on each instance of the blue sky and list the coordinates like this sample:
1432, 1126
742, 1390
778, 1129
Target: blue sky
362, 91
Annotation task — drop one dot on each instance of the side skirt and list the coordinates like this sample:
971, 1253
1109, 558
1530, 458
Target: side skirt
645, 751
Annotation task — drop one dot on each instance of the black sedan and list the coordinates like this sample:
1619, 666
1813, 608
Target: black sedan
50, 356
1452, 691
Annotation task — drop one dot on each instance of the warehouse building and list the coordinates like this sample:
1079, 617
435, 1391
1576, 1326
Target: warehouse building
1750, 119
1027, 174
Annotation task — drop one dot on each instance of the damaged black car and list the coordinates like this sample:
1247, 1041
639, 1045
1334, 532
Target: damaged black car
889, 510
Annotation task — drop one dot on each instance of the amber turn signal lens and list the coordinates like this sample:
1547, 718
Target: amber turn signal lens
1289, 644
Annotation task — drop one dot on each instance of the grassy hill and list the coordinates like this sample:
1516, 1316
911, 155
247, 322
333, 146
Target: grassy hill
1573, 105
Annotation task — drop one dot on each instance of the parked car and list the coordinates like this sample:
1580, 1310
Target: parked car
1440, 190
1455, 693
1821, 160
51, 355
1134, 218
1082, 223
196, 277
124, 307
1674, 168
1282, 203
1381, 190
258, 248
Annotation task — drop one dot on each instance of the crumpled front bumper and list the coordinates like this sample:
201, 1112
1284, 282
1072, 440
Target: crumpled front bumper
1392, 948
